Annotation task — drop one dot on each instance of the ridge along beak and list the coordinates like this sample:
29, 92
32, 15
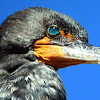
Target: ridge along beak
62, 56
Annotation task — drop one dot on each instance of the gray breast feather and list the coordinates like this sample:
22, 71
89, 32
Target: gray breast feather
32, 81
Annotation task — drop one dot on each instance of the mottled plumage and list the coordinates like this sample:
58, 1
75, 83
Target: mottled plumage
22, 77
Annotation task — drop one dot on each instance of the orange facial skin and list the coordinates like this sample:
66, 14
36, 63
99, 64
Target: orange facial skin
68, 36
43, 41
51, 54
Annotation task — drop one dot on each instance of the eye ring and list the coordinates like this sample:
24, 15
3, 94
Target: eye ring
53, 31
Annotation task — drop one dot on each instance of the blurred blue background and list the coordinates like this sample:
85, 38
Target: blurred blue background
81, 82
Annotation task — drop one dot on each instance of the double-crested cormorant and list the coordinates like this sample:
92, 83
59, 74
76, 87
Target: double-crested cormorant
34, 43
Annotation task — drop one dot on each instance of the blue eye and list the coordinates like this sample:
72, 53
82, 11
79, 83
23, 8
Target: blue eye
53, 30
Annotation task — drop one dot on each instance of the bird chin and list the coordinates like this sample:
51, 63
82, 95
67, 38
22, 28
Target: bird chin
60, 56
52, 55
63, 56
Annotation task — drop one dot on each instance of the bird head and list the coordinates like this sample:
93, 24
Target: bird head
55, 39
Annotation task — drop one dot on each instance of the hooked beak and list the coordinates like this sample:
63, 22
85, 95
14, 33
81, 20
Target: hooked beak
83, 52
62, 56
